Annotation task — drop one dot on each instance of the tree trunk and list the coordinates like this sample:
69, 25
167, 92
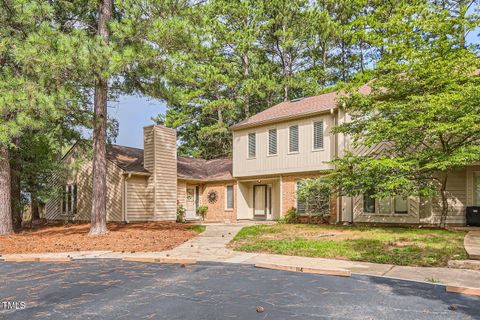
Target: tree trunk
246, 74
443, 192
16, 200
6, 226
35, 207
99, 190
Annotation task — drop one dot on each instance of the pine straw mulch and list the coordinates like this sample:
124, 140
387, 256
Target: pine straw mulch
137, 237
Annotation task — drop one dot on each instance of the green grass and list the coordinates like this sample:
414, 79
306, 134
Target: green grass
399, 246
196, 228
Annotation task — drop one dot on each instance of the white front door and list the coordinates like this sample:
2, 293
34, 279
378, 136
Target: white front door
191, 209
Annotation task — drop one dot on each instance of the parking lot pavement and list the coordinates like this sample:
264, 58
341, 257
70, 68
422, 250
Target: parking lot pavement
113, 289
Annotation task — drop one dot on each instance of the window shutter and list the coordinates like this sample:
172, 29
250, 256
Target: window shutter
272, 141
293, 139
318, 135
251, 145
229, 197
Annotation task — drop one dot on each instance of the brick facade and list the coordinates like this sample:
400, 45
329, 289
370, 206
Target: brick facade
289, 197
217, 211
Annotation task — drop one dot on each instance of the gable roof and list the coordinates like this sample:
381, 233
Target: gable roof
131, 160
126, 158
204, 170
295, 109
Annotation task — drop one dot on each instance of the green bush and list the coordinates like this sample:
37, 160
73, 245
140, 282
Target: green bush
290, 217
180, 214
202, 210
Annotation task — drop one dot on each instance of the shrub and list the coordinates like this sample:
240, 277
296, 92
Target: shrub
316, 195
290, 217
202, 210
180, 214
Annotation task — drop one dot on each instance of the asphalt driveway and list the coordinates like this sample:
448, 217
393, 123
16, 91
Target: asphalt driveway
113, 289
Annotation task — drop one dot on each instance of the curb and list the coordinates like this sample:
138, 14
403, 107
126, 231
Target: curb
464, 290
37, 259
331, 272
160, 260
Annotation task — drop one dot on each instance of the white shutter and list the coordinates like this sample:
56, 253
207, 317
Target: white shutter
318, 135
272, 141
252, 145
293, 139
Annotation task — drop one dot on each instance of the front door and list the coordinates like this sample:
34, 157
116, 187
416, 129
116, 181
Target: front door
262, 201
191, 209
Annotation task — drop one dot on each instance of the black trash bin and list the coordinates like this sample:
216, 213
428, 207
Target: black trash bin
473, 216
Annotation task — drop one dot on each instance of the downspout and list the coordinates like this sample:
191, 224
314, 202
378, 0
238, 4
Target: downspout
126, 197
335, 141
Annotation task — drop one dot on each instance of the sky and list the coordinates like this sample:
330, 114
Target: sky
133, 113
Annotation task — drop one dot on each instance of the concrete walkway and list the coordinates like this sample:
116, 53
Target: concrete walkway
472, 244
211, 245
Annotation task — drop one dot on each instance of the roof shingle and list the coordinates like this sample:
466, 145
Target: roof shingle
131, 160
295, 108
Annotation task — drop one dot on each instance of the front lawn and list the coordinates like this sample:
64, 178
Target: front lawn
399, 246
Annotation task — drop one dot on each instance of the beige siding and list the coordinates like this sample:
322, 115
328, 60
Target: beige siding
305, 160
80, 172
164, 175
148, 148
53, 207
139, 202
457, 200
411, 217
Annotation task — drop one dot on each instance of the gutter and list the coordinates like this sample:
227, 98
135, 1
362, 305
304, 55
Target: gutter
279, 119
135, 173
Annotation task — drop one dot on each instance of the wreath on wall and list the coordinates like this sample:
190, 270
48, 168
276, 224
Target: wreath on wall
212, 196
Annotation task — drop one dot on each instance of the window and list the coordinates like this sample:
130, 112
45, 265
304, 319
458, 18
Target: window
301, 205
197, 196
400, 204
317, 202
368, 203
385, 206
272, 142
293, 139
69, 199
229, 204
252, 145
318, 135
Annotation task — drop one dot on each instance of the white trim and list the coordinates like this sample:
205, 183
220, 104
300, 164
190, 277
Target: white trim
281, 196
126, 200
474, 193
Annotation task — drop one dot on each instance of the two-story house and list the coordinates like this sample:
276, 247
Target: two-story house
272, 151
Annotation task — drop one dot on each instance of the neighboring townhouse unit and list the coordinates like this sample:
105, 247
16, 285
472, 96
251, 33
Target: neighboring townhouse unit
272, 152
146, 184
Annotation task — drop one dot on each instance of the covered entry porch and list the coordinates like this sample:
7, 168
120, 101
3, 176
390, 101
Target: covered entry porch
259, 198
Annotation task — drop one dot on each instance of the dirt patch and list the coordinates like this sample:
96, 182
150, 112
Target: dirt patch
121, 237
